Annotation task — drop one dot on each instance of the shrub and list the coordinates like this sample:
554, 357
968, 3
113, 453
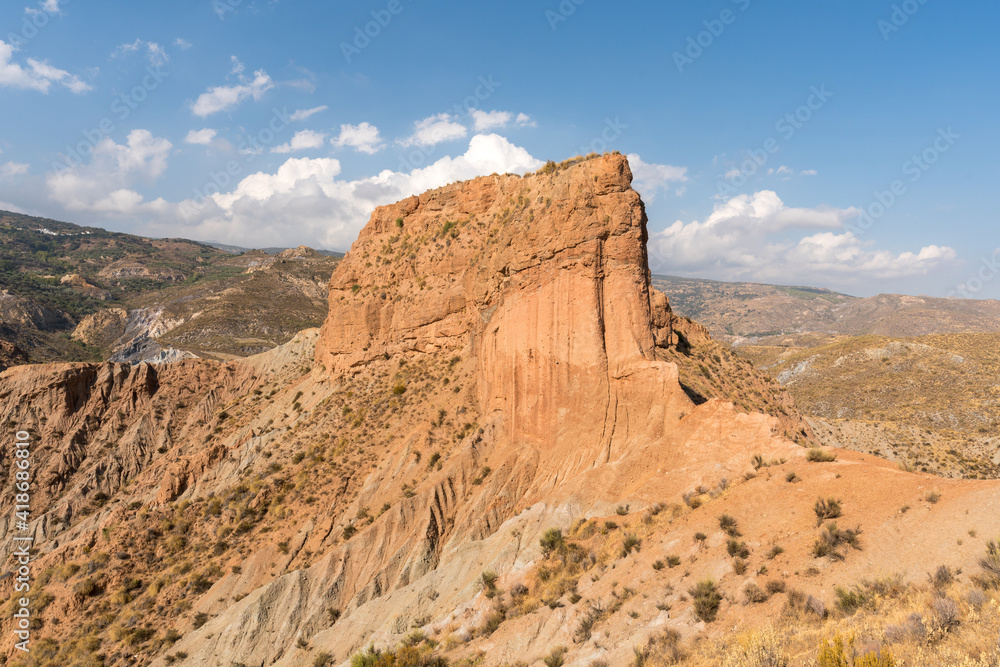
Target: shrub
739, 566
848, 600
322, 659
736, 548
706, 600
832, 538
399, 388
556, 657
775, 586
489, 580
630, 543
990, 564
700, 537
658, 565
552, 540
941, 577
621, 510
792, 477
775, 551
817, 455
944, 614
826, 508
673, 561
86, 588
760, 649
754, 594
729, 525
835, 654
933, 497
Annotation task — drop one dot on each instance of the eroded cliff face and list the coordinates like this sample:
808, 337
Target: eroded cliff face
543, 279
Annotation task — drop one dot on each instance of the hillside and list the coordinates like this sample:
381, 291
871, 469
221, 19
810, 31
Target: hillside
757, 314
489, 455
930, 402
75, 293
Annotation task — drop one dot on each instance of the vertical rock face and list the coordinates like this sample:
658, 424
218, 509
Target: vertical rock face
543, 279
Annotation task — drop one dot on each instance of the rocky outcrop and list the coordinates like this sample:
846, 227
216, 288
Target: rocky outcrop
84, 286
11, 355
130, 337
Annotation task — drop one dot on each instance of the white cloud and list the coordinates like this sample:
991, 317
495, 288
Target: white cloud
303, 114
46, 6
203, 137
489, 120
11, 169
304, 201
221, 98
104, 184
752, 237
648, 177
155, 53
182, 44
302, 140
780, 171
435, 130
363, 137
38, 75
809, 172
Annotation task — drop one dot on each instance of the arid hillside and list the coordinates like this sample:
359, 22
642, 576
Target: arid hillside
778, 315
502, 448
70, 293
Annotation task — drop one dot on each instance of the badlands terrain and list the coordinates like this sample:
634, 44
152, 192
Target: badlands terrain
502, 447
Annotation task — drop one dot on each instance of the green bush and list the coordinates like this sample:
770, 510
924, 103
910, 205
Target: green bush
706, 600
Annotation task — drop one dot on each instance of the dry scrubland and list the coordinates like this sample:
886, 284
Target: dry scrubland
502, 448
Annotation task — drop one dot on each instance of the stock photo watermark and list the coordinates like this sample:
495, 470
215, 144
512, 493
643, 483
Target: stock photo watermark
33, 21
714, 28
988, 269
899, 17
786, 126
251, 147
613, 130
562, 13
914, 168
419, 156
122, 107
21, 553
364, 35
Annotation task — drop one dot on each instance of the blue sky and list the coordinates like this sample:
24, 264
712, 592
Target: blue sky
844, 144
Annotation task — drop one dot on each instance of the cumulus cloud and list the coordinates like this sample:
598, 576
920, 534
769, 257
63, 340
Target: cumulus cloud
203, 137
364, 138
783, 170
435, 130
491, 120
104, 185
753, 237
809, 172
649, 177
38, 75
303, 114
46, 6
182, 44
221, 98
303, 201
11, 169
301, 141
155, 53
